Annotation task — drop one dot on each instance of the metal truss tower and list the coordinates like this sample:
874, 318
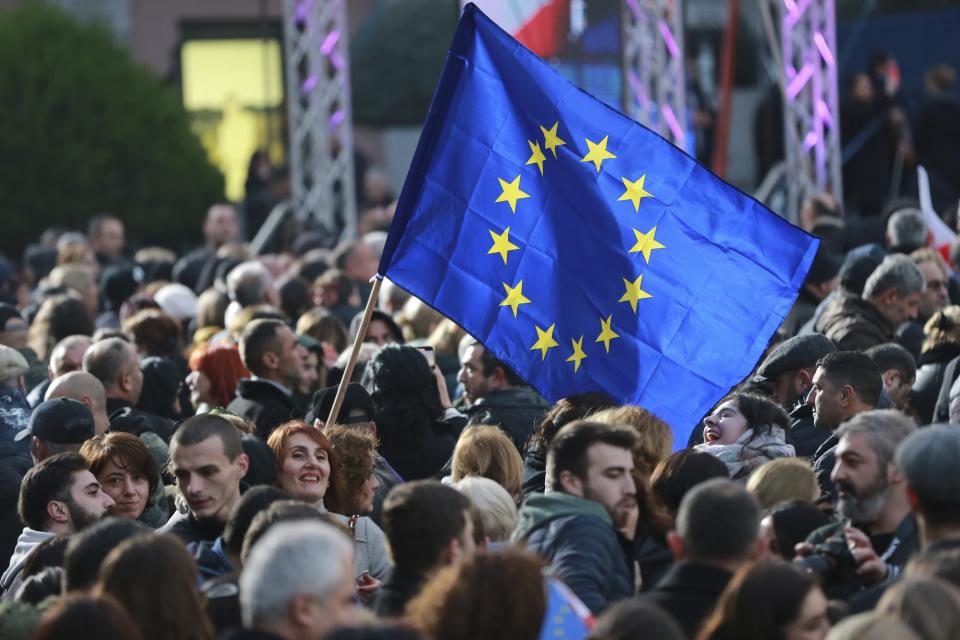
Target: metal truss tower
321, 130
810, 100
654, 67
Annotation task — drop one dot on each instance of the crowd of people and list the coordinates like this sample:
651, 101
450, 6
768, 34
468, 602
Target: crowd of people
170, 468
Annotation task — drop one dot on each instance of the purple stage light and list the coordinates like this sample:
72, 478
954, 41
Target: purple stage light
675, 128
669, 40
799, 80
642, 99
822, 47
794, 15
823, 111
303, 8
309, 84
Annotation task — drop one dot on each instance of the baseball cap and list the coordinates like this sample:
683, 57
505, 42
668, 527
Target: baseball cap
356, 398
60, 420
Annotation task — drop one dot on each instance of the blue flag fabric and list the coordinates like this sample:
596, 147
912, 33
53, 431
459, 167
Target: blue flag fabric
584, 250
566, 617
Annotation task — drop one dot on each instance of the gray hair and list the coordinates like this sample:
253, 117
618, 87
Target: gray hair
248, 283
107, 358
895, 272
885, 429
292, 559
59, 354
498, 511
907, 229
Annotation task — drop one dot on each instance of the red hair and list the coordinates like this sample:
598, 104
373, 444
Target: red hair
278, 444
222, 365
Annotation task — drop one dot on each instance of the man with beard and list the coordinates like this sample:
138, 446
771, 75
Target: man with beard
574, 525
845, 383
878, 527
208, 462
58, 496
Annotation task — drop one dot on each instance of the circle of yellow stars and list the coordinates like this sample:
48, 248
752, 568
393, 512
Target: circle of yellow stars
646, 242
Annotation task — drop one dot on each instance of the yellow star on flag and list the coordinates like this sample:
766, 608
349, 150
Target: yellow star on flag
606, 333
646, 243
598, 152
545, 341
635, 191
502, 244
634, 293
550, 138
536, 155
515, 297
578, 354
511, 192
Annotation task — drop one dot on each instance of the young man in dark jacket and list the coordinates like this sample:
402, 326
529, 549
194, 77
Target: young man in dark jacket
574, 526
270, 351
717, 532
208, 462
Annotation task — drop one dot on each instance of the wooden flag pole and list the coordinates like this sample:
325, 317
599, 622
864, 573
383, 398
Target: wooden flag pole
352, 360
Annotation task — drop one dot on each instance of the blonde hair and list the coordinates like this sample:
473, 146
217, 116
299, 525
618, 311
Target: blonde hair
871, 626
783, 480
498, 511
942, 328
417, 319
73, 276
929, 605
446, 337
484, 450
655, 438
154, 254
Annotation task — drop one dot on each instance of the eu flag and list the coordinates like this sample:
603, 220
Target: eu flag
583, 249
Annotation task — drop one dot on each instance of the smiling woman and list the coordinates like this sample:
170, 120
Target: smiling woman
309, 470
306, 467
746, 430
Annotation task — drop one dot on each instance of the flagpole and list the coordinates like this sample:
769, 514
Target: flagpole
355, 350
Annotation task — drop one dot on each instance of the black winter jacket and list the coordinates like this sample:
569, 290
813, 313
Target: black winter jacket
264, 404
577, 538
516, 410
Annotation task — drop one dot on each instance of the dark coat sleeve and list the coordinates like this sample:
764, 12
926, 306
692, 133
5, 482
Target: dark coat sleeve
587, 557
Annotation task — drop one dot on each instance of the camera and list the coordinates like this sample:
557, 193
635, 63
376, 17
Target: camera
833, 563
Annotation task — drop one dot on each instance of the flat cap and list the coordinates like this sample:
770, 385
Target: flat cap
930, 460
796, 353
12, 363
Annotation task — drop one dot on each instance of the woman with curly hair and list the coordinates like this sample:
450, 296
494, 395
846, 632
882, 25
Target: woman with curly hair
310, 471
355, 448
